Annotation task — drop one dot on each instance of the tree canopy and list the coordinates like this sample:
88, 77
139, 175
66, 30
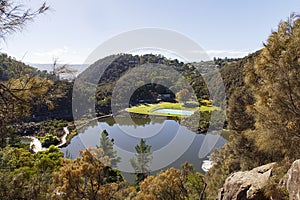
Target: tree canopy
264, 113
141, 161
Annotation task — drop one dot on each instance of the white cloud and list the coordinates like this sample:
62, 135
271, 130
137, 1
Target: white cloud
228, 53
53, 53
71, 56
63, 55
221, 53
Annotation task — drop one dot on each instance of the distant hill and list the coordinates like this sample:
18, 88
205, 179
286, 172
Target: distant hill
116, 66
69, 71
49, 67
11, 68
232, 72
108, 71
60, 94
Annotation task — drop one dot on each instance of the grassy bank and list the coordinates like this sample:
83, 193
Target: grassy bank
148, 109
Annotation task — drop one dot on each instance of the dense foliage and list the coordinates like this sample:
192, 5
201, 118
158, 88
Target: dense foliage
141, 161
11, 68
112, 68
25, 175
106, 144
263, 91
264, 114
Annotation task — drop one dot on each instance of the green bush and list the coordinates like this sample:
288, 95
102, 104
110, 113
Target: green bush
49, 139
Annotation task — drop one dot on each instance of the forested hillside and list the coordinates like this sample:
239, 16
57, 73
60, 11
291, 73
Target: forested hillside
11, 68
263, 113
263, 122
116, 66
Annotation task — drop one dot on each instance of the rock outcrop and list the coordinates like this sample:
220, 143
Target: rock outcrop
246, 185
293, 181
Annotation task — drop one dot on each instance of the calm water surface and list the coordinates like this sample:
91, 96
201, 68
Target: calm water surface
172, 144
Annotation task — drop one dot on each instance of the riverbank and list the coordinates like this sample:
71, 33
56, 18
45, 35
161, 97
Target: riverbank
63, 139
36, 145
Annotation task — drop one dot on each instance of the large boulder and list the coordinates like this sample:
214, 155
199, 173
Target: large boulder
246, 185
293, 181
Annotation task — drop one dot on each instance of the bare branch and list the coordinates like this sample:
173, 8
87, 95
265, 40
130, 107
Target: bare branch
13, 17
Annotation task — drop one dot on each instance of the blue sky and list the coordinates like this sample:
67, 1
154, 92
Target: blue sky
73, 28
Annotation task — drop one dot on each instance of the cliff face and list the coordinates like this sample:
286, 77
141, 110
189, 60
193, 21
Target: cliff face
248, 185
293, 181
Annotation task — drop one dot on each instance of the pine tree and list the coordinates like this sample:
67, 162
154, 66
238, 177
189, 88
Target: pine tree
107, 145
141, 161
239, 117
275, 80
271, 130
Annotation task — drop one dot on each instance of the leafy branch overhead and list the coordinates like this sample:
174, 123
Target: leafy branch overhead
15, 16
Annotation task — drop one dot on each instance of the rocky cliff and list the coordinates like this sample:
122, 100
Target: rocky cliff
248, 185
293, 181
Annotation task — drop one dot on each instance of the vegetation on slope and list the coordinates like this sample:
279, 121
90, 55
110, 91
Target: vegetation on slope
264, 114
263, 117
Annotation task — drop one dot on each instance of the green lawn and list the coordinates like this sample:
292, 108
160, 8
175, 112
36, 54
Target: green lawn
148, 109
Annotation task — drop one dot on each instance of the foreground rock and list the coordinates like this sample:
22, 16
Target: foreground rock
293, 181
246, 185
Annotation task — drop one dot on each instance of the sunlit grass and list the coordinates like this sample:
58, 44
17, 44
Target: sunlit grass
148, 109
